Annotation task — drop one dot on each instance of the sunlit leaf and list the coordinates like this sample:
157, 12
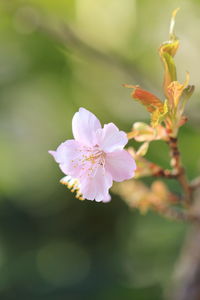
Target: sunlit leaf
159, 115
167, 52
175, 90
149, 100
172, 35
187, 93
153, 104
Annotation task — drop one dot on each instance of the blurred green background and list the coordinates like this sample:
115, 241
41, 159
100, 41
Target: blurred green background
57, 56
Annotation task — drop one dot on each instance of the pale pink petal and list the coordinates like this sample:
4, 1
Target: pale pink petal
84, 127
96, 187
107, 198
110, 138
68, 155
65, 151
120, 165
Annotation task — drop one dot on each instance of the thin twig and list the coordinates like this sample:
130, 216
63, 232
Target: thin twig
179, 170
164, 173
178, 215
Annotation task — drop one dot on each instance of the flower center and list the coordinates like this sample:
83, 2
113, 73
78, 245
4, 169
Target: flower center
95, 157
89, 160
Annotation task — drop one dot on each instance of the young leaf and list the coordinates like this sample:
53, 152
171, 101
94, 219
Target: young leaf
167, 51
149, 100
153, 104
175, 90
159, 115
186, 94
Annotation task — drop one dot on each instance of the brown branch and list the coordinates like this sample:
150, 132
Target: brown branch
177, 214
179, 170
164, 173
195, 183
186, 279
153, 168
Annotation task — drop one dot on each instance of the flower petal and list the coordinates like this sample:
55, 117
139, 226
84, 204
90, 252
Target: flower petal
120, 164
106, 199
84, 127
96, 187
110, 138
67, 155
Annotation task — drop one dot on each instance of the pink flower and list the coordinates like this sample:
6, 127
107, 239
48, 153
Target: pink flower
94, 158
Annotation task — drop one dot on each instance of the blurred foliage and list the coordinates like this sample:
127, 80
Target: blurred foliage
53, 246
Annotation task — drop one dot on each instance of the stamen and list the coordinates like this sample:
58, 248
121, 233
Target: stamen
90, 159
73, 185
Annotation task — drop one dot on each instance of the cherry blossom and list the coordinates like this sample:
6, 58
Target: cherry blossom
94, 158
